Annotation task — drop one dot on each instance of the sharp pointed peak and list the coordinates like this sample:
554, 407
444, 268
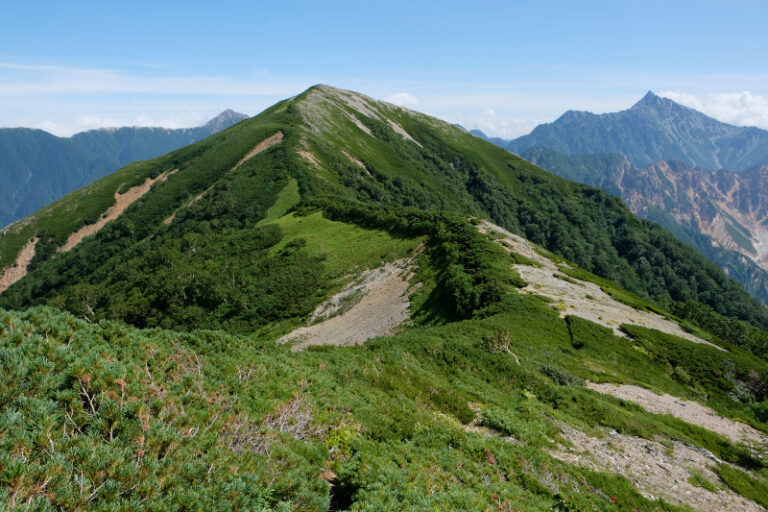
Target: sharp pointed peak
650, 95
651, 99
226, 119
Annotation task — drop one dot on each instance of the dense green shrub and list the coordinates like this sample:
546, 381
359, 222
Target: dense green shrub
740, 482
583, 332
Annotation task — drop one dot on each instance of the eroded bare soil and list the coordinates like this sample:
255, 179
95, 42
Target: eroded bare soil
122, 202
690, 412
580, 298
15, 272
379, 305
655, 470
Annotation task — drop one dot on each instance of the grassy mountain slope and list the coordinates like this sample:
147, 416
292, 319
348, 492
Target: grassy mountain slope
37, 167
458, 416
653, 129
471, 405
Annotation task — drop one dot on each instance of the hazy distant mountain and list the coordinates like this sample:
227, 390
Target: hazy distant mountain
653, 129
37, 167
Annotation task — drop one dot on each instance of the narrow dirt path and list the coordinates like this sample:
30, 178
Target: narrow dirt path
15, 272
401, 131
357, 162
267, 143
655, 470
688, 411
382, 307
309, 157
122, 202
261, 146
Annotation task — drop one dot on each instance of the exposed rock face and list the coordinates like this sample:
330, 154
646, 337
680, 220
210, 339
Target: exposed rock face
731, 208
723, 214
651, 155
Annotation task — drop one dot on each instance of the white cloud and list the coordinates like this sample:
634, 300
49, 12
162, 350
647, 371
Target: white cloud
402, 99
739, 108
63, 118
495, 125
65, 100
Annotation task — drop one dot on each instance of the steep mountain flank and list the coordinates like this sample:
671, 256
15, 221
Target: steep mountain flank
653, 129
37, 168
410, 160
730, 208
723, 214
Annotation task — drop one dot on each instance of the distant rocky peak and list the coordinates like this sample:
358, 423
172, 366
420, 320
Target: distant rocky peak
650, 99
225, 120
575, 115
657, 106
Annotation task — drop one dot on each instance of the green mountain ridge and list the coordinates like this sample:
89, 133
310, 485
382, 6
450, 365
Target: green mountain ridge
160, 386
37, 168
447, 170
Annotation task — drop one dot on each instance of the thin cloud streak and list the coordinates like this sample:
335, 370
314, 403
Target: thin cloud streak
28, 80
66, 99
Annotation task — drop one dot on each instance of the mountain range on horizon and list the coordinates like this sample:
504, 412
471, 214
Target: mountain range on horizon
37, 167
665, 160
653, 129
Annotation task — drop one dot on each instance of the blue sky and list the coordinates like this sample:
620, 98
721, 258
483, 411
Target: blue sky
501, 66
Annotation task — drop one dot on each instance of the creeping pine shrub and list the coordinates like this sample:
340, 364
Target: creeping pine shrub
524, 420
760, 410
680, 375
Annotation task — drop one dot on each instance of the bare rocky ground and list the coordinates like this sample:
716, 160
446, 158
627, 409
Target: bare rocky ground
375, 304
580, 298
309, 157
690, 412
654, 469
13, 273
